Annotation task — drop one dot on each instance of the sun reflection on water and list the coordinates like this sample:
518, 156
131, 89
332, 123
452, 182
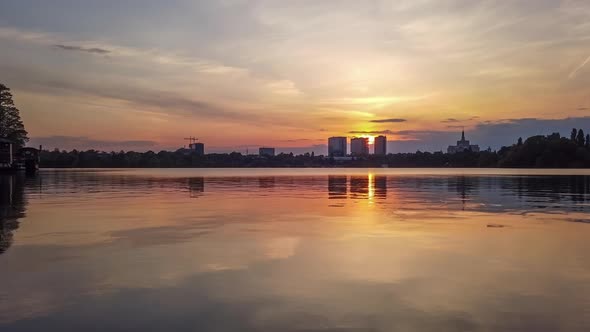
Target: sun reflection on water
371, 187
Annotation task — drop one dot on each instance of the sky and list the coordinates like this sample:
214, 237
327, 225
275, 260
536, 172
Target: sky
238, 74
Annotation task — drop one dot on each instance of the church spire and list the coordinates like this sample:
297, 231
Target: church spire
463, 135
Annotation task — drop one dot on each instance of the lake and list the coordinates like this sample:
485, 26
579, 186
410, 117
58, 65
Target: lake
295, 250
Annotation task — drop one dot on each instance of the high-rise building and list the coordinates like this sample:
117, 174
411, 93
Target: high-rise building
337, 147
359, 146
380, 145
269, 152
197, 148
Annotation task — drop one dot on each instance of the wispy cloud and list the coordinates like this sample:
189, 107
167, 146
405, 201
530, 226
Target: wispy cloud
302, 140
575, 71
155, 56
393, 120
375, 101
84, 143
95, 50
455, 120
372, 132
284, 88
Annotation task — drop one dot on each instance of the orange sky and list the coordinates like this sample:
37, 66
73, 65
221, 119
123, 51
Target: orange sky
241, 74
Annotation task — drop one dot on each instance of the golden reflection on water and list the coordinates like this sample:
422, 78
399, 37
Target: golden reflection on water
422, 253
371, 187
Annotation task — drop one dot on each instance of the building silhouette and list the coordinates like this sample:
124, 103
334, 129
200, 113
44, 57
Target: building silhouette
359, 146
197, 148
268, 152
380, 145
462, 146
337, 147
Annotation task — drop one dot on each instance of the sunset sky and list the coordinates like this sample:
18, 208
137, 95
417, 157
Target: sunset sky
144, 74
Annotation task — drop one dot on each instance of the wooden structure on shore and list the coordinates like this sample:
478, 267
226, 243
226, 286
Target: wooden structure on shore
23, 159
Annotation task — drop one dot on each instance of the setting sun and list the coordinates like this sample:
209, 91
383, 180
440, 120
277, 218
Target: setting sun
370, 137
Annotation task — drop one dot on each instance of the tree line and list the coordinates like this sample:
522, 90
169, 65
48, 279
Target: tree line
551, 151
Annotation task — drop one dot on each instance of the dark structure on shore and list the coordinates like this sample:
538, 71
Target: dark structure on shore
13, 159
463, 145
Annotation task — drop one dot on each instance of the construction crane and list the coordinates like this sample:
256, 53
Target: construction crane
194, 147
192, 140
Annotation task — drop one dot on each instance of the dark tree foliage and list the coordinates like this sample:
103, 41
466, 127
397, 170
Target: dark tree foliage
11, 124
519, 141
181, 158
587, 140
581, 138
550, 151
574, 134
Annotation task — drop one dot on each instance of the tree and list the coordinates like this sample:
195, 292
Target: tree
588, 140
581, 139
519, 141
11, 125
574, 135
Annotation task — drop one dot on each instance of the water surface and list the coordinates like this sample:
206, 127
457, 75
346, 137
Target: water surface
295, 250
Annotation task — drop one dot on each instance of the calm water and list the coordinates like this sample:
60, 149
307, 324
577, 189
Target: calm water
295, 250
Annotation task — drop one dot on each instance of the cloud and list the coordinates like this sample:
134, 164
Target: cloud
262, 56
375, 101
284, 87
507, 131
86, 143
94, 50
393, 120
166, 102
301, 140
372, 132
494, 134
154, 56
575, 71
454, 120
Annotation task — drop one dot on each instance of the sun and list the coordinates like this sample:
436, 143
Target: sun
371, 139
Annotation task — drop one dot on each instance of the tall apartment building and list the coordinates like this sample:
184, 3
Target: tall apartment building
380, 145
337, 147
359, 146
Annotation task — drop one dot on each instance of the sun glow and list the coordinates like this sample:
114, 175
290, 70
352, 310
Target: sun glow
370, 137
371, 189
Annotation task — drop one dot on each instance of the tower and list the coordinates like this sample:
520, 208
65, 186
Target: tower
337, 147
380, 145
